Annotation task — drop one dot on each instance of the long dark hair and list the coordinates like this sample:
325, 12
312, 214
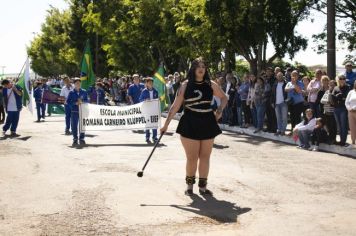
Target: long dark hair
306, 121
191, 73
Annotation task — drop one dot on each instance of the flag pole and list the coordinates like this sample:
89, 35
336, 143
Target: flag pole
18, 76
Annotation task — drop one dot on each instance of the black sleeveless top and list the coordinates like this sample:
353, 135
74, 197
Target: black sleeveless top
198, 97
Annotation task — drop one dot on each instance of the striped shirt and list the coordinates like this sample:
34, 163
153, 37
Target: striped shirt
326, 101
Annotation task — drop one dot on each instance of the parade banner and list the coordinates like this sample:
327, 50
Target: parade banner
50, 97
144, 115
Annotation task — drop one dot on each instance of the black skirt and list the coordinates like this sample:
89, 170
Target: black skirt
198, 126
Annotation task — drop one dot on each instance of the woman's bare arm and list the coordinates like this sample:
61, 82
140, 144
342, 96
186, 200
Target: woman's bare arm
176, 105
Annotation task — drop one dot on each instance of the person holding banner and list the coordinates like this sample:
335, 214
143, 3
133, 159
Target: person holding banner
135, 90
40, 107
13, 105
75, 98
64, 95
198, 126
149, 93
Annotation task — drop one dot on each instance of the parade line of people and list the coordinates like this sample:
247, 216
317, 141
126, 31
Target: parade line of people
317, 108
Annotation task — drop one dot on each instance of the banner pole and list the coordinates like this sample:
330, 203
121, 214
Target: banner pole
80, 119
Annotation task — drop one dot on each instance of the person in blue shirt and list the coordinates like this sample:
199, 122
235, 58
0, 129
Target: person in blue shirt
97, 94
243, 92
295, 98
48, 107
13, 105
149, 93
350, 75
135, 90
75, 98
40, 107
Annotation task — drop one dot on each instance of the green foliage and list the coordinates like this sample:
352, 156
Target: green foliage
242, 67
50, 51
137, 35
345, 9
303, 69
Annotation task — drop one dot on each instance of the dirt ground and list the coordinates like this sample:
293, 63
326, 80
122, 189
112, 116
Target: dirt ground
260, 187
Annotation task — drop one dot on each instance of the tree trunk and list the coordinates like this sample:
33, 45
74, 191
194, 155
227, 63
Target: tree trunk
259, 58
253, 66
230, 60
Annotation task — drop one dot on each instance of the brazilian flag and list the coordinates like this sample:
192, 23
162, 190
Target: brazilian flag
160, 85
86, 70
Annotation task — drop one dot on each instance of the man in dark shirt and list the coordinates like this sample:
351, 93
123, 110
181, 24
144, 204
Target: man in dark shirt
270, 111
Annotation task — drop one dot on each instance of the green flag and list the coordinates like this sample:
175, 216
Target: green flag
25, 83
160, 85
56, 108
86, 70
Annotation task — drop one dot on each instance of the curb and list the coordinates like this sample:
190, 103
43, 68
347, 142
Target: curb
345, 151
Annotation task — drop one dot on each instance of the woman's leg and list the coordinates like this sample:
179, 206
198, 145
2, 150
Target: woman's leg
293, 112
352, 124
191, 148
343, 126
206, 146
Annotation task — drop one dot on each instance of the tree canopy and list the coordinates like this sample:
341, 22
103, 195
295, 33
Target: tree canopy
130, 36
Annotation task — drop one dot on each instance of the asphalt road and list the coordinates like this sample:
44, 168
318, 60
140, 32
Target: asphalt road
260, 187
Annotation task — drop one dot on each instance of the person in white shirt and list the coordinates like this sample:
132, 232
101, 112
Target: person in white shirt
313, 88
13, 105
64, 95
350, 104
304, 129
170, 90
279, 95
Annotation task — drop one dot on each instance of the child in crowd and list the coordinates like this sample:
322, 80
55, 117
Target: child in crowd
319, 135
304, 129
149, 93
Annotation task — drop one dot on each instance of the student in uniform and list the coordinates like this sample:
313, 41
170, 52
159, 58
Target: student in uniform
149, 93
64, 95
135, 90
75, 98
46, 86
13, 105
40, 107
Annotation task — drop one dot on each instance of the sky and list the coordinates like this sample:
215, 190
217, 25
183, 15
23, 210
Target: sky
21, 19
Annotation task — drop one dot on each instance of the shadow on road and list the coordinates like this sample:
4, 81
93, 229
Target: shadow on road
143, 132
118, 145
218, 146
25, 138
219, 210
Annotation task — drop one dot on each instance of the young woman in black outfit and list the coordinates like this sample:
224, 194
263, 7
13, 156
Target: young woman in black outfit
198, 126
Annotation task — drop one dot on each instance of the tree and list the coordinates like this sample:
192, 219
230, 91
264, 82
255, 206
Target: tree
50, 51
346, 10
79, 34
247, 26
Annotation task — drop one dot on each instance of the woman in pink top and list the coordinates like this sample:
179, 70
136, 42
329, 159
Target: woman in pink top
313, 88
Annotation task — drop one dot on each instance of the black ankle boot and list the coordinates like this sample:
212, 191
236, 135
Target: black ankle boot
190, 181
202, 187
